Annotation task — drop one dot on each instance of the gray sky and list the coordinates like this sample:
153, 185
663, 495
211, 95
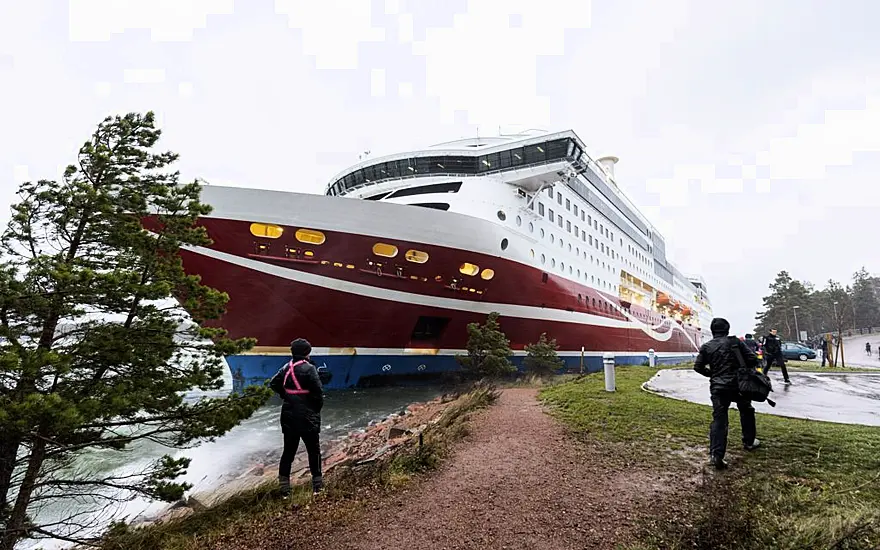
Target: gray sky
748, 132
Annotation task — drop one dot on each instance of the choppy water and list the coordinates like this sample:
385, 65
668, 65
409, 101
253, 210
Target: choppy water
344, 411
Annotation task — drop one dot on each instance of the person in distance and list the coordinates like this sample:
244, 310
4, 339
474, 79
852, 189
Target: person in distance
773, 354
299, 385
717, 361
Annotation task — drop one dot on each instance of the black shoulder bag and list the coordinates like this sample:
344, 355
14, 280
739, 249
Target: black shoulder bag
753, 384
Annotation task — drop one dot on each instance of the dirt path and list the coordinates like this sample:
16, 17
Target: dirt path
517, 481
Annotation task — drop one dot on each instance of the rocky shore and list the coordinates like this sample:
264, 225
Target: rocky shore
363, 446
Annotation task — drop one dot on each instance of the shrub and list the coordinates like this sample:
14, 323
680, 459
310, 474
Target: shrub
488, 350
541, 358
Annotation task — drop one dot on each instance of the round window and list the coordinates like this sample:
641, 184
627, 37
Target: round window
531, 227
553, 262
543, 259
503, 244
552, 238
518, 221
542, 232
501, 215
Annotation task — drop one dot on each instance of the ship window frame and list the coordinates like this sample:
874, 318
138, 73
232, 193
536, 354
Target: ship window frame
487, 274
388, 255
265, 227
465, 269
310, 236
416, 256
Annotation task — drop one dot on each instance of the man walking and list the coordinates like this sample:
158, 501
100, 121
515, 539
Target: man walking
773, 354
825, 351
717, 360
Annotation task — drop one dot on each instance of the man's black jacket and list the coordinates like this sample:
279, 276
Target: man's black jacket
772, 346
717, 361
300, 413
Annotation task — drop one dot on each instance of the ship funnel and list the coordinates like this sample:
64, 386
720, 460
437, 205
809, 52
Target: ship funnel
607, 163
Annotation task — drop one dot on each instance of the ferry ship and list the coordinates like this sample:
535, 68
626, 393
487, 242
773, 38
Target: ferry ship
383, 273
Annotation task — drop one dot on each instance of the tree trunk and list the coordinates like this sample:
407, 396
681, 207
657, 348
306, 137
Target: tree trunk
8, 453
18, 521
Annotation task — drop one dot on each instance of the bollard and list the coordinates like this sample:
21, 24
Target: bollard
652, 360
608, 360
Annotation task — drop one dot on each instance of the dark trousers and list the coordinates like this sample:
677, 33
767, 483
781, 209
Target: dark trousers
779, 360
291, 444
721, 400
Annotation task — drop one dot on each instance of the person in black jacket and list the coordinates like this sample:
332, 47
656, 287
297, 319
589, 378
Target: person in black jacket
751, 343
299, 386
718, 362
773, 354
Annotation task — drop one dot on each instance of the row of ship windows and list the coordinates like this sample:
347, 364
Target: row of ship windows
571, 271
314, 237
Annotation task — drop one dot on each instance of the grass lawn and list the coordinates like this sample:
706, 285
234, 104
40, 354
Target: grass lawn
810, 485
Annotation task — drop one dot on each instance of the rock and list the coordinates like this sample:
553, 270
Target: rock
176, 514
393, 432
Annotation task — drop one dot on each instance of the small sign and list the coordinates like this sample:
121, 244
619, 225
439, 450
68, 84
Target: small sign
803, 336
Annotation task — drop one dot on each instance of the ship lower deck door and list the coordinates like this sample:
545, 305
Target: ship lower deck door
428, 330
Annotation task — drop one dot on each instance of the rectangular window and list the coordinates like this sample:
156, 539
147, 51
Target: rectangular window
577, 232
575, 210
568, 205
595, 224
550, 192
589, 220
601, 229
582, 215
559, 219
559, 197
551, 214
568, 226
591, 240
541, 208
602, 248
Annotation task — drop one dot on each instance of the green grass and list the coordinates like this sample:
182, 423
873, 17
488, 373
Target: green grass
811, 485
347, 488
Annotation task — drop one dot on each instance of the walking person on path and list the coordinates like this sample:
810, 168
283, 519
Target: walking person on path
825, 352
299, 386
868, 348
773, 354
718, 362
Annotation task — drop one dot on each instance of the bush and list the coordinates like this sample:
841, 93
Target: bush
488, 350
541, 358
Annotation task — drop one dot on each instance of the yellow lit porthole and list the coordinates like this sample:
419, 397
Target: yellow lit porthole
469, 269
416, 256
310, 236
349, 266
386, 250
266, 230
337, 264
309, 253
487, 274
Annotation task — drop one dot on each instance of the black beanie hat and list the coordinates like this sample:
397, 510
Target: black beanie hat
300, 348
719, 327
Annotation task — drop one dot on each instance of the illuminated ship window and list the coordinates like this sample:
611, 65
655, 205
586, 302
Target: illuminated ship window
337, 264
469, 269
309, 253
349, 266
487, 274
266, 230
386, 250
310, 236
438, 278
415, 256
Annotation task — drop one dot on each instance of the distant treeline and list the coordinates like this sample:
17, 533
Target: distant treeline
819, 311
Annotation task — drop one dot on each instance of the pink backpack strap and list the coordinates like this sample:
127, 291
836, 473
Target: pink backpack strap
290, 374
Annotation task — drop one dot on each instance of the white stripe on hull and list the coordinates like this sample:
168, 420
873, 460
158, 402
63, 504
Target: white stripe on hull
447, 352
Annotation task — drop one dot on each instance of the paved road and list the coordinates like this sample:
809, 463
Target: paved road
854, 351
832, 397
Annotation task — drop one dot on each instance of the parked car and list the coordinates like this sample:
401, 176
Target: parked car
791, 350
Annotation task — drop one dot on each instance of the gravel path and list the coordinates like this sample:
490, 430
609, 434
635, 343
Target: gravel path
517, 481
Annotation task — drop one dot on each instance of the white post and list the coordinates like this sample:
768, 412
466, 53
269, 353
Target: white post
608, 360
652, 360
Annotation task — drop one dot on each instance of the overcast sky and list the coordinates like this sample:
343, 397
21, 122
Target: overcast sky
748, 132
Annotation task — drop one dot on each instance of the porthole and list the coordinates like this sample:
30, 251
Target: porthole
543, 259
552, 238
416, 256
531, 227
579, 273
569, 270
532, 252
469, 269
487, 274
562, 266
501, 215
560, 243
385, 250
504, 244
552, 262
310, 236
268, 230
542, 232
569, 247
518, 221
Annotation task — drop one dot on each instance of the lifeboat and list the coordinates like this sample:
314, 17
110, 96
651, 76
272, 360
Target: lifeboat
662, 299
686, 310
676, 306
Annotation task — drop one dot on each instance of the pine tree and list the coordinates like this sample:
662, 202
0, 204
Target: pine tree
867, 307
94, 353
488, 350
541, 357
